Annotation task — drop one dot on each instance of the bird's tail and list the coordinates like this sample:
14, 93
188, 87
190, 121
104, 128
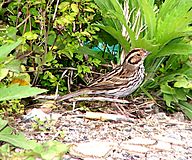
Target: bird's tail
74, 94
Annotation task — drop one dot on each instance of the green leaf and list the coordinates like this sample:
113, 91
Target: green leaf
182, 82
85, 50
79, 57
122, 20
34, 11
176, 47
3, 73
74, 7
14, 66
51, 38
165, 88
181, 94
17, 140
63, 6
53, 149
110, 6
49, 57
18, 92
186, 108
7, 130
174, 19
149, 15
86, 69
11, 32
7, 48
3, 123
168, 99
79, 69
117, 35
30, 36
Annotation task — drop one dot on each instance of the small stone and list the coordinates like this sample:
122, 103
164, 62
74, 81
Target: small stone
93, 149
141, 141
162, 146
134, 148
170, 140
179, 149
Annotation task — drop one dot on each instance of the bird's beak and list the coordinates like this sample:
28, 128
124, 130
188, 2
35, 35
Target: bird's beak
147, 53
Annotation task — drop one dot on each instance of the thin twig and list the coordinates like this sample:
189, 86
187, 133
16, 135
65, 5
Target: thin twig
103, 99
99, 99
23, 21
56, 7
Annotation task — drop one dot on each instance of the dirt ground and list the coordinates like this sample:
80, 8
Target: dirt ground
112, 135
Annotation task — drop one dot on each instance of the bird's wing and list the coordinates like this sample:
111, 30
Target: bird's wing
108, 81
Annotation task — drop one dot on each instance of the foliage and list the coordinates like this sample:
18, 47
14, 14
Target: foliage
53, 33
59, 43
10, 68
164, 31
32, 149
17, 92
18, 140
8, 62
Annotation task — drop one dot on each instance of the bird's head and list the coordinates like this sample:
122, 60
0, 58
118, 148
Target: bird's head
135, 57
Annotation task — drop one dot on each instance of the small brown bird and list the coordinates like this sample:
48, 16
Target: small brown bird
121, 81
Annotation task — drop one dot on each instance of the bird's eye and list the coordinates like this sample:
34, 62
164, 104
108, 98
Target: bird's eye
138, 54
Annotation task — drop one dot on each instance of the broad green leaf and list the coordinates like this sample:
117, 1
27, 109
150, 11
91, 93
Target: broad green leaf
3, 73
3, 123
7, 130
11, 32
165, 88
85, 50
180, 48
7, 48
30, 36
17, 140
14, 66
147, 44
182, 82
51, 38
74, 7
34, 11
180, 94
49, 57
174, 19
168, 99
149, 15
110, 6
117, 35
54, 149
18, 92
63, 6
186, 108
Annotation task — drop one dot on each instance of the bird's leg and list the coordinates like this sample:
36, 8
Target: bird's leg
123, 111
119, 107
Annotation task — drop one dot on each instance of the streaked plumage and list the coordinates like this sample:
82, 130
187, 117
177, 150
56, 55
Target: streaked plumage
121, 81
